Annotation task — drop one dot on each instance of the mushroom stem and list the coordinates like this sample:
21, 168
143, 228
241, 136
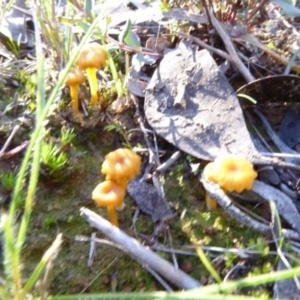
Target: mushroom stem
92, 78
123, 182
74, 97
113, 215
211, 203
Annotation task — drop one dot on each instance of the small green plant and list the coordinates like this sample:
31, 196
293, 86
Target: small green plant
8, 180
14, 46
28, 86
259, 245
50, 221
13, 286
67, 135
53, 158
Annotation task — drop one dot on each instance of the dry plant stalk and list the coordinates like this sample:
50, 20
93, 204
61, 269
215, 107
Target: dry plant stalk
139, 252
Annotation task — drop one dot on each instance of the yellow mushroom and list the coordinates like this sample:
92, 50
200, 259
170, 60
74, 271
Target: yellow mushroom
232, 173
73, 79
92, 57
121, 166
111, 195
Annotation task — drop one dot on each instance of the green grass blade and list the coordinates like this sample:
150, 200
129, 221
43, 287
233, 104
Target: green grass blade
247, 97
40, 105
50, 254
206, 262
11, 248
149, 296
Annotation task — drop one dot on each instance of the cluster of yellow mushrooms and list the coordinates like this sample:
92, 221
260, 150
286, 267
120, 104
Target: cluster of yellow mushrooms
119, 166
232, 173
92, 57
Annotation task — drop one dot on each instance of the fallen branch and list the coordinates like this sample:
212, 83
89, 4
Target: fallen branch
137, 251
286, 209
284, 204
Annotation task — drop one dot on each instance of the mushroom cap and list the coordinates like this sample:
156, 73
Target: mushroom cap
108, 193
92, 55
122, 164
74, 77
232, 173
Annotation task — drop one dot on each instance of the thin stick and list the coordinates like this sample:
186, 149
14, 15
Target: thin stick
140, 252
247, 38
153, 157
175, 262
8, 141
92, 253
266, 192
163, 283
275, 138
14, 151
167, 164
230, 48
159, 279
281, 155
205, 46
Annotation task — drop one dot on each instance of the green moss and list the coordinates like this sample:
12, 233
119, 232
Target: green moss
56, 210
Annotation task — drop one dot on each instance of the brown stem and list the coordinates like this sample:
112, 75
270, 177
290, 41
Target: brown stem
261, 5
230, 48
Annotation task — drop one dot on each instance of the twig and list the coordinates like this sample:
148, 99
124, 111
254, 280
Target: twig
240, 265
230, 48
82, 238
175, 262
153, 155
251, 60
92, 253
250, 213
281, 155
14, 151
140, 252
260, 137
256, 9
205, 46
9, 139
167, 164
12, 105
263, 190
275, 138
243, 253
95, 151
247, 38
283, 203
100, 273
283, 262
146, 150
153, 159
159, 279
